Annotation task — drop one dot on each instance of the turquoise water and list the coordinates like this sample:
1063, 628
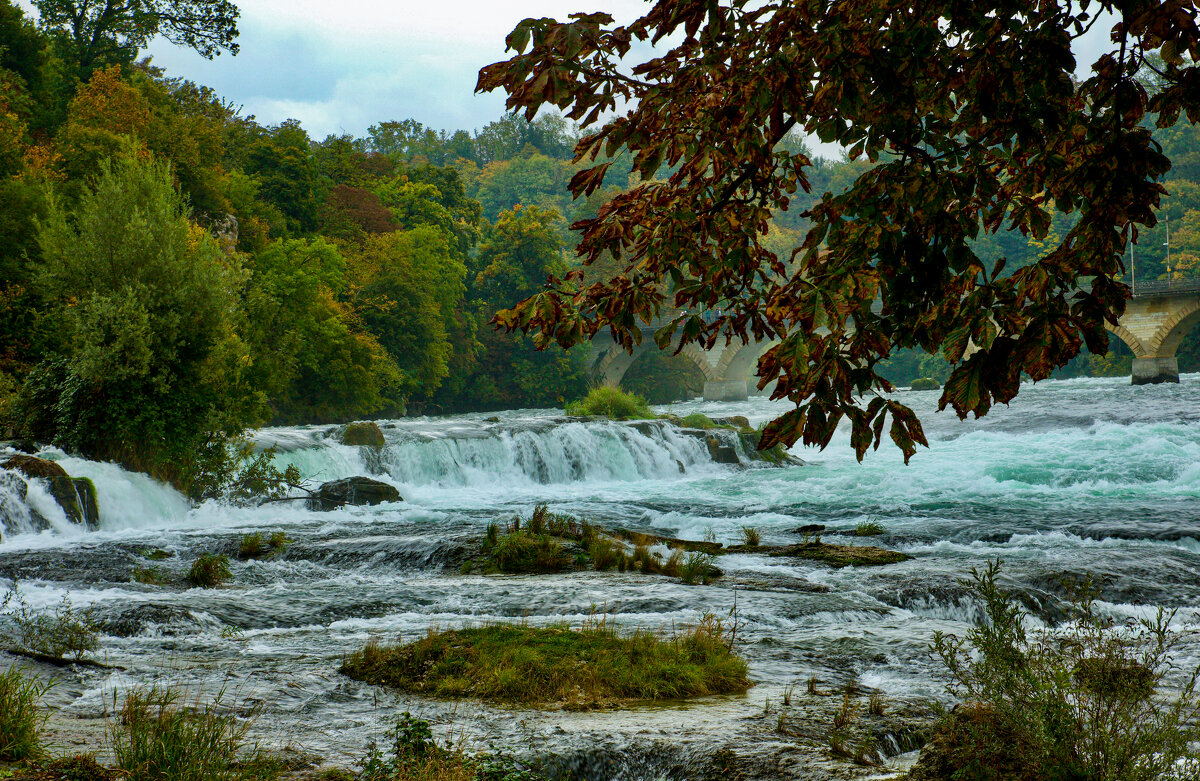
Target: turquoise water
1082, 476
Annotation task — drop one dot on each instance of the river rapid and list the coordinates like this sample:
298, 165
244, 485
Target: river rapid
1080, 476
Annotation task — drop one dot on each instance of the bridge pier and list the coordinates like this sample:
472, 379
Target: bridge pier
1147, 371
725, 390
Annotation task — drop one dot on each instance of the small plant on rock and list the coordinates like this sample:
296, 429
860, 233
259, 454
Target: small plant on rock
209, 570
697, 568
151, 576
869, 529
751, 536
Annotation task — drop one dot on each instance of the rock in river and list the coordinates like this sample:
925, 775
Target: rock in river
352, 490
76, 495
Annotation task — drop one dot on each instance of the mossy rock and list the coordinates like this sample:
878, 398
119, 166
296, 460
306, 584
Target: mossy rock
352, 490
75, 495
838, 555
777, 455
363, 434
31, 466
925, 383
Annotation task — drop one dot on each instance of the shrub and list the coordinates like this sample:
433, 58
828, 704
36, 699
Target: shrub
81, 767
593, 665
612, 403
253, 546
1090, 699
521, 552
209, 570
56, 633
21, 718
697, 568
925, 383
751, 536
606, 554
869, 529
415, 756
158, 739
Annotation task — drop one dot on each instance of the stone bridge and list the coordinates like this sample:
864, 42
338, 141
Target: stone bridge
1156, 319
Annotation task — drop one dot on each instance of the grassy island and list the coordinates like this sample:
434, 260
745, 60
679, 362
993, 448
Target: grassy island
594, 666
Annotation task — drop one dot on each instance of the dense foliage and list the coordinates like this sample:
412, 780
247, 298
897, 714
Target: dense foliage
172, 272
971, 123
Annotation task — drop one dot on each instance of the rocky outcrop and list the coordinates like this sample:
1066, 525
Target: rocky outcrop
363, 434
75, 495
352, 490
722, 452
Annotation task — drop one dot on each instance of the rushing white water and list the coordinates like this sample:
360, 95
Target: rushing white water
1082, 476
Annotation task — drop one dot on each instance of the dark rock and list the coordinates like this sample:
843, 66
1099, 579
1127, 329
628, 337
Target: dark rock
722, 452
352, 490
738, 421
810, 528
76, 495
363, 434
492, 419
31, 466
25, 446
777, 455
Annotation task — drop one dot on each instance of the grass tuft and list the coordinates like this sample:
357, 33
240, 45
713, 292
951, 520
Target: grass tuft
612, 403
21, 717
751, 536
869, 529
256, 546
159, 738
209, 570
587, 667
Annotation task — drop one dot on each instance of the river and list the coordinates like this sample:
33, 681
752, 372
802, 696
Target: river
1079, 476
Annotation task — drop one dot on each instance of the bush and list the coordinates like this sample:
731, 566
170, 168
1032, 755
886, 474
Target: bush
521, 552
869, 529
416, 757
698, 568
1092, 699
55, 633
751, 536
21, 720
925, 383
612, 403
158, 739
591, 666
209, 570
255, 546
146, 368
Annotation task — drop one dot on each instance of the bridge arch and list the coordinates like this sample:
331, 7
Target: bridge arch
1176, 327
1126, 336
612, 364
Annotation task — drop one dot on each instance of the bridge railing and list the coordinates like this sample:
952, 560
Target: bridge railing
1158, 287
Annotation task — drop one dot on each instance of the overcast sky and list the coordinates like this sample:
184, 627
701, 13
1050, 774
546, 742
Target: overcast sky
340, 66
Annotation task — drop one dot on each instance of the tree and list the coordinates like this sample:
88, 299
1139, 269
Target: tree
94, 33
147, 367
974, 123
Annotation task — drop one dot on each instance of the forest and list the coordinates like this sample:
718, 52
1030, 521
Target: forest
173, 272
